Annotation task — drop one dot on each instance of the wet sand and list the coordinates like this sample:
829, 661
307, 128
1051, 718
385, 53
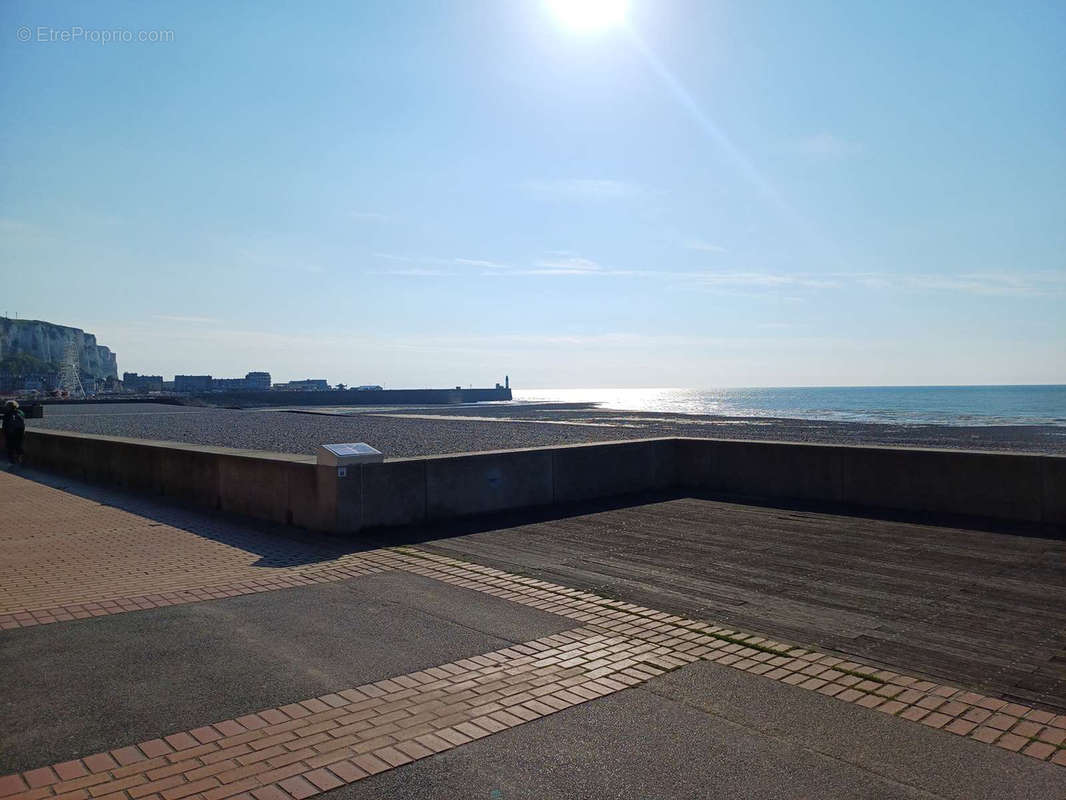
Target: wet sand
403, 432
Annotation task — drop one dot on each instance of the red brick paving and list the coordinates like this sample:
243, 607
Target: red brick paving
66, 557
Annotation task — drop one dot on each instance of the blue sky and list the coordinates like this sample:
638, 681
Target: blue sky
435, 193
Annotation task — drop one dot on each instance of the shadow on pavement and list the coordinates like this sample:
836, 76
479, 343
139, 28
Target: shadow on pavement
415, 534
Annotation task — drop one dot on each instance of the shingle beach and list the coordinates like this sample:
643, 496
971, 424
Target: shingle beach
405, 432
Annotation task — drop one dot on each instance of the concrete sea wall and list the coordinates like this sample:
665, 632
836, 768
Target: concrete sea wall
294, 490
1007, 486
355, 397
273, 486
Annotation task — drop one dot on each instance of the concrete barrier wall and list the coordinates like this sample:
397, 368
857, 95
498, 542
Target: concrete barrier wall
1010, 486
415, 490
767, 469
478, 484
394, 493
293, 490
282, 488
1054, 500
586, 472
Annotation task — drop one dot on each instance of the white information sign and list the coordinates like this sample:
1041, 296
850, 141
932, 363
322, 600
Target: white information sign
348, 453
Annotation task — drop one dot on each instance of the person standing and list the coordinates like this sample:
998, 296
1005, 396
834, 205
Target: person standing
14, 429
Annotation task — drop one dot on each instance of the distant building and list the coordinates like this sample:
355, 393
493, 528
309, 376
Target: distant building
28, 382
189, 384
258, 381
227, 384
142, 383
306, 385
251, 382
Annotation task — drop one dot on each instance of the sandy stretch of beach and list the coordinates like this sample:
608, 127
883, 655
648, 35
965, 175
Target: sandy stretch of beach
403, 432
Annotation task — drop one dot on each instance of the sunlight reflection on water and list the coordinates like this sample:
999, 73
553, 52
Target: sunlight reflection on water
904, 405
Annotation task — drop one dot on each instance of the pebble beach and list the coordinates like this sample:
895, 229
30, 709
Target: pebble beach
407, 432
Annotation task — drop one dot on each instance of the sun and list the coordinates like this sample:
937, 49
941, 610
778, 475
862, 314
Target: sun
589, 15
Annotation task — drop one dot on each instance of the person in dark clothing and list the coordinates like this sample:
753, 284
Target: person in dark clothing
14, 429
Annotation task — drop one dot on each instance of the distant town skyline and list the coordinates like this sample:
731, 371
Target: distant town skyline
410, 194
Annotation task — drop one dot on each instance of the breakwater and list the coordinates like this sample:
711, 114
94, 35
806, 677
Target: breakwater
354, 397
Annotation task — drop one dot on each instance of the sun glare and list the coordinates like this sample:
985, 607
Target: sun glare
589, 15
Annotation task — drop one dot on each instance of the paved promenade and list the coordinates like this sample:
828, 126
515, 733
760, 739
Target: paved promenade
154, 652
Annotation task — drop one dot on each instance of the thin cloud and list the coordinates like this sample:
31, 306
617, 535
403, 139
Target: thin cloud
765, 279
437, 265
702, 246
1028, 284
480, 262
991, 283
566, 264
628, 342
415, 272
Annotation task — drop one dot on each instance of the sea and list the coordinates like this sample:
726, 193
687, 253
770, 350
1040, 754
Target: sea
903, 405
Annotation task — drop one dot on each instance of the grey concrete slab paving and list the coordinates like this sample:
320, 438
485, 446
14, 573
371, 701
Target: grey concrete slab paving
705, 732
895, 749
73, 689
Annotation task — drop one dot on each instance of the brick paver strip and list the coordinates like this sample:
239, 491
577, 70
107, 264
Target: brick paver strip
318, 744
338, 570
